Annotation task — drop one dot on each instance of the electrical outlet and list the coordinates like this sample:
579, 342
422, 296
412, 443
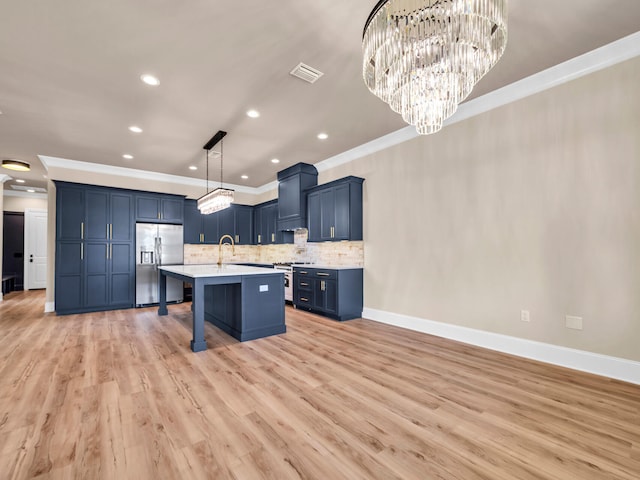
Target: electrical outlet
524, 315
574, 323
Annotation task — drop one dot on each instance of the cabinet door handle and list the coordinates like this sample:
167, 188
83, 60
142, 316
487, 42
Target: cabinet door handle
111, 231
302, 299
82, 251
321, 274
159, 216
302, 272
259, 238
237, 238
81, 230
107, 231
111, 251
303, 284
273, 237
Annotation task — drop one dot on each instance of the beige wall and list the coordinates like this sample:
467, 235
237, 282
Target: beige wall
535, 206
19, 204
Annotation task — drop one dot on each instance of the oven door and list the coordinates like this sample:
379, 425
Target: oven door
288, 286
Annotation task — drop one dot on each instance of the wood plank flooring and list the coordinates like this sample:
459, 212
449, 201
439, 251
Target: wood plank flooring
119, 395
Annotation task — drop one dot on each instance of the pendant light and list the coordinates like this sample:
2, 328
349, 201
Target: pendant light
423, 57
221, 197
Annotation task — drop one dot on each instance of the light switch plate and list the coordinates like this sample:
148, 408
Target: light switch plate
574, 323
524, 315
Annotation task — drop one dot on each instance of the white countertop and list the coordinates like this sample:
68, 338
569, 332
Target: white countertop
213, 270
326, 267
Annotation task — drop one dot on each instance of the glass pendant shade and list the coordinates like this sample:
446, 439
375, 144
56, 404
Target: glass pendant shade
216, 200
221, 197
423, 57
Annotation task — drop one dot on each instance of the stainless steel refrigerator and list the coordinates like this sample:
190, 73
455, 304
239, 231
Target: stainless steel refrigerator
157, 245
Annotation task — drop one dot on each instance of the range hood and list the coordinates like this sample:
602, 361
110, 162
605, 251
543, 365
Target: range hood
292, 199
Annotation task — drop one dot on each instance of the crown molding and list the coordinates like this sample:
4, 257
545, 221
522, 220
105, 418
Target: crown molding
4, 178
604, 57
147, 175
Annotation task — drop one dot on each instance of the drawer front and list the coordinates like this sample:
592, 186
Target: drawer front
325, 274
318, 273
304, 283
304, 299
303, 272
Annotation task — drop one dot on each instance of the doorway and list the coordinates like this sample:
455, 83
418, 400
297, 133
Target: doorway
13, 248
35, 249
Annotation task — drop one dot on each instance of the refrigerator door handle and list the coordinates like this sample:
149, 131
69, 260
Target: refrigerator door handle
159, 251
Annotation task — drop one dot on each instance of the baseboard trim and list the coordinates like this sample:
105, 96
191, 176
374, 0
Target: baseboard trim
612, 367
49, 307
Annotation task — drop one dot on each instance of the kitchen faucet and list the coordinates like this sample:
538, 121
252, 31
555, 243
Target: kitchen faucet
233, 248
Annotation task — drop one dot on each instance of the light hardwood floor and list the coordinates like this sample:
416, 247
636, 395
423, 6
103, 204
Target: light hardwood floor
119, 395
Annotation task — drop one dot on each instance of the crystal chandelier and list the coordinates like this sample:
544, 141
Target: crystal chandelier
221, 197
423, 57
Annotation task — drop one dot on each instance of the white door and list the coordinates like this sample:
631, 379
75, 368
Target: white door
35, 249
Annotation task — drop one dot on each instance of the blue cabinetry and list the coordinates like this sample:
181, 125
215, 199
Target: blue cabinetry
335, 210
335, 293
237, 221
292, 201
265, 229
159, 208
95, 264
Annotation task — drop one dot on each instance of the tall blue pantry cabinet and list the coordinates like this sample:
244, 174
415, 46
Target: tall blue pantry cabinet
95, 248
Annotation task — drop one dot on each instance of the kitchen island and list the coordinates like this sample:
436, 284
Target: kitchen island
245, 302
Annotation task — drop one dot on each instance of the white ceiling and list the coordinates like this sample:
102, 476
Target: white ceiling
70, 78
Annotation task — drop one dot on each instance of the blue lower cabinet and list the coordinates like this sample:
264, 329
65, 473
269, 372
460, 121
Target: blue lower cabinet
334, 293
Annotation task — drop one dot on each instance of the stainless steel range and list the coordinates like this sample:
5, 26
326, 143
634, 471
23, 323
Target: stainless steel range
288, 279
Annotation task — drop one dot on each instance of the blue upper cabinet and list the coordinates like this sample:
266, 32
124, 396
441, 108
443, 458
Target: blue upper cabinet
244, 224
237, 221
292, 199
334, 210
158, 208
70, 220
266, 231
192, 229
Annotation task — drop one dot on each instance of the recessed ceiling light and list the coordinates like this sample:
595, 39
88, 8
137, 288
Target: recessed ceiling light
193, 167
127, 156
244, 177
275, 160
323, 136
253, 113
31, 190
150, 80
135, 129
19, 180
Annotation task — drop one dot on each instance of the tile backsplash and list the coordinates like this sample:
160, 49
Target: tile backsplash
325, 253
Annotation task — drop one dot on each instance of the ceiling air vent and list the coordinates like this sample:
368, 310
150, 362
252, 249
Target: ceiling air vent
306, 73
